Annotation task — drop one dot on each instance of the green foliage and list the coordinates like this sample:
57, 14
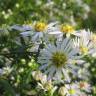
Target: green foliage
9, 91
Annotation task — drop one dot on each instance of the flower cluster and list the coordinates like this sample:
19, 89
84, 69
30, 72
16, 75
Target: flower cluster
61, 53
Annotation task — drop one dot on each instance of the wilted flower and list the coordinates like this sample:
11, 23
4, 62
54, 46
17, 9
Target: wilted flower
85, 86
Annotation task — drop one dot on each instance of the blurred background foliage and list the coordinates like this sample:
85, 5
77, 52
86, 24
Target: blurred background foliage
77, 12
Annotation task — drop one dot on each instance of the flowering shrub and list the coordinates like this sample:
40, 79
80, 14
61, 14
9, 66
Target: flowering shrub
46, 60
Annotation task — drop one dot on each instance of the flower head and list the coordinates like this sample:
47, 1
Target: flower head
84, 44
71, 90
74, 90
56, 59
93, 39
66, 30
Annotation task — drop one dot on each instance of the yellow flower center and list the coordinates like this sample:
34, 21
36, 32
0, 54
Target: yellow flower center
84, 50
59, 59
67, 29
40, 26
72, 91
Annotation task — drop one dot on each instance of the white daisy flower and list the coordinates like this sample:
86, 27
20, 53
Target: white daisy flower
71, 90
66, 30
74, 90
39, 29
92, 37
84, 44
58, 59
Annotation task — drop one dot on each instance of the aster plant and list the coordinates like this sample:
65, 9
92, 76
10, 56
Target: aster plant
57, 60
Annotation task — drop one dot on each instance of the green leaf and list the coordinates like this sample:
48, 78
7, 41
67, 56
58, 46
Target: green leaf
7, 87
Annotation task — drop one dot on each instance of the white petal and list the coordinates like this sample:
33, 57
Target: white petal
44, 66
51, 73
64, 43
54, 32
65, 74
